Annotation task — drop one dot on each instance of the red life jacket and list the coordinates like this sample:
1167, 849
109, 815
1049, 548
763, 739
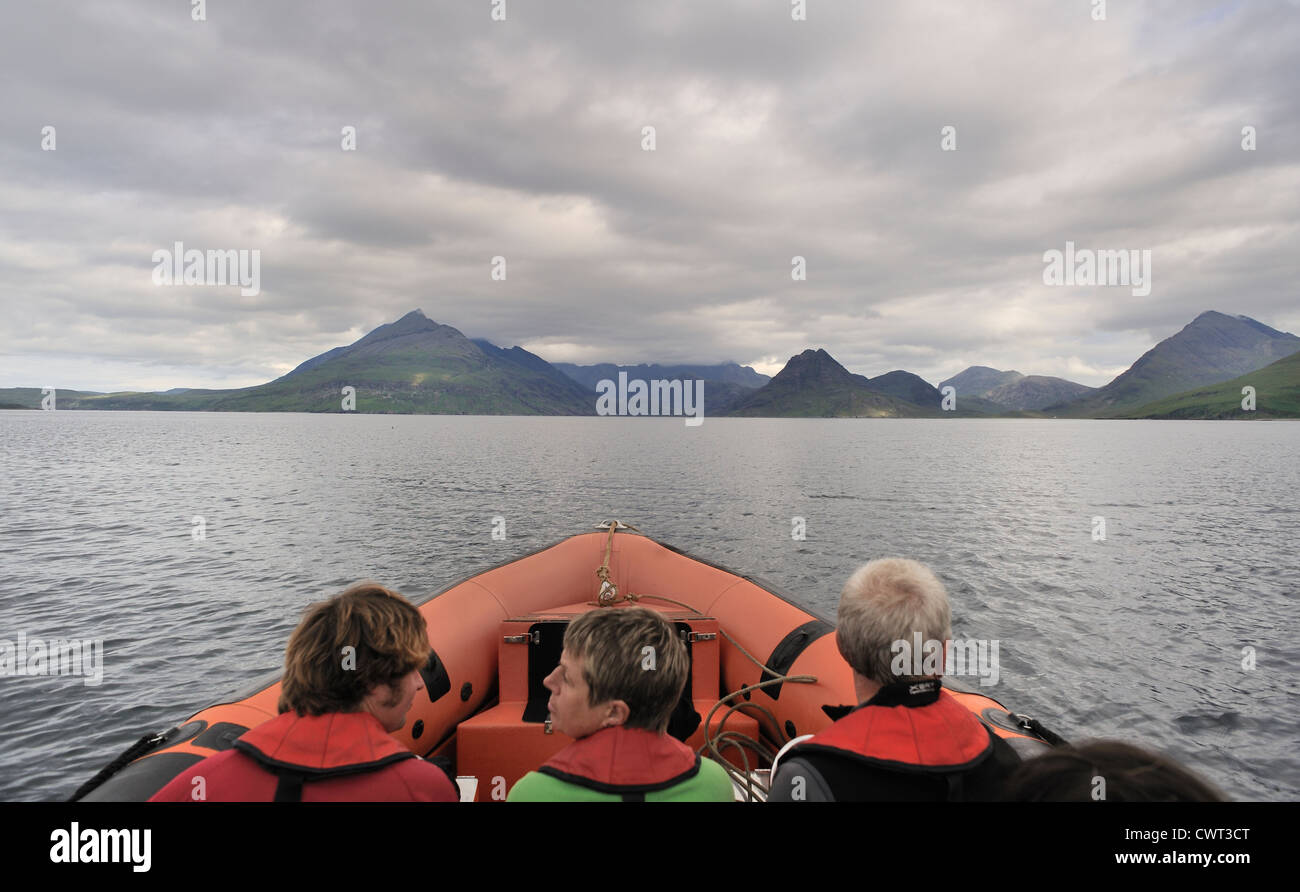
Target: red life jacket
295, 749
908, 727
331, 757
624, 760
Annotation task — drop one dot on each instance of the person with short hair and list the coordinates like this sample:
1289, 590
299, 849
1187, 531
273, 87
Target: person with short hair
351, 673
1106, 770
908, 739
621, 673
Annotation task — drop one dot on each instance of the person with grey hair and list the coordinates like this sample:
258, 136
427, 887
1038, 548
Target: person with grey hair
908, 740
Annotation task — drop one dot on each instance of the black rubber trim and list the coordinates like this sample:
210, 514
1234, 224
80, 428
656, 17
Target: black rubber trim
436, 680
1028, 747
141, 747
183, 733
1000, 718
142, 778
221, 736
788, 650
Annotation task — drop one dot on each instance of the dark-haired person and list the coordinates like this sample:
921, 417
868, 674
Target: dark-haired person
908, 739
1108, 770
351, 672
621, 673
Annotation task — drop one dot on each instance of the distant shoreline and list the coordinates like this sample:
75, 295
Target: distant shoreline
678, 418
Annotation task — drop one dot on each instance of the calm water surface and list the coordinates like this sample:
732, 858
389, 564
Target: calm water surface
1139, 636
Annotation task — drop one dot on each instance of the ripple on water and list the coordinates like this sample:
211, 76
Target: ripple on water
1139, 636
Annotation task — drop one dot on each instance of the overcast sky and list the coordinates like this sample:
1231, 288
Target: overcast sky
773, 138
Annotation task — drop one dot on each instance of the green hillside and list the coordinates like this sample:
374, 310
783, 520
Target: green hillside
1211, 349
1277, 395
411, 366
30, 397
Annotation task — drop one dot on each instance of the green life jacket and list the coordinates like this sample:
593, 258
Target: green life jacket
621, 764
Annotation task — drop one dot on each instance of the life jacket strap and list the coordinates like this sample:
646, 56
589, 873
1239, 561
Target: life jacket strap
289, 788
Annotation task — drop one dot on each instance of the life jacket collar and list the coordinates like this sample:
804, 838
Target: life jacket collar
624, 760
917, 693
318, 746
908, 727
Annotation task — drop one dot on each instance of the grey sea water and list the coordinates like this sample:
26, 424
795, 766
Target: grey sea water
1141, 636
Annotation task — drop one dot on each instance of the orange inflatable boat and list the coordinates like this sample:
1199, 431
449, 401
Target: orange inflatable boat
762, 669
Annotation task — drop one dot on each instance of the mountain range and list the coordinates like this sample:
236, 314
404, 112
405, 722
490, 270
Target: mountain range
1014, 390
727, 382
1276, 389
417, 366
1211, 348
814, 385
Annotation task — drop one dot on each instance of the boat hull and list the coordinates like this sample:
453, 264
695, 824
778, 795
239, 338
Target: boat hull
465, 622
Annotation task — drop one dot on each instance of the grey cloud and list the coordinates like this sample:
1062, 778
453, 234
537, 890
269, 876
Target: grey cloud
523, 139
